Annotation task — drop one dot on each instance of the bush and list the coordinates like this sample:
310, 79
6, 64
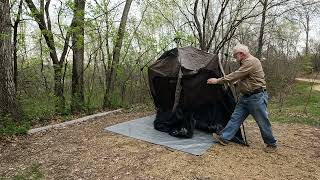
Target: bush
316, 62
39, 108
306, 65
280, 73
10, 127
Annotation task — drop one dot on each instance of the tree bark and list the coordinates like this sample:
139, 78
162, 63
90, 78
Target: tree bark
8, 104
307, 33
58, 88
116, 55
15, 42
261, 33
78, 57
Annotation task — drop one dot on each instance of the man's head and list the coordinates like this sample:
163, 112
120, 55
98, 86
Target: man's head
240, 52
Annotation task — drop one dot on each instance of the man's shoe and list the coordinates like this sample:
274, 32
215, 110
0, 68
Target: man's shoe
218, 139
271, 148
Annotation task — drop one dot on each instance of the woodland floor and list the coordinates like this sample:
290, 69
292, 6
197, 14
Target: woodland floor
86, 151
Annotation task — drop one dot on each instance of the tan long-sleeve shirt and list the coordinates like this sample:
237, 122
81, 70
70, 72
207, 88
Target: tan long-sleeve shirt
249, 76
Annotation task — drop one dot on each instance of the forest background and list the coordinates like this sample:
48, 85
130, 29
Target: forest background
63, 59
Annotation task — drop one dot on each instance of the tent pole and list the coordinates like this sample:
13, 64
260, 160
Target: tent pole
178, 85
178, 91
234, 93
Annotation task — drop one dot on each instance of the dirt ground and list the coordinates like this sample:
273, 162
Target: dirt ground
86, 151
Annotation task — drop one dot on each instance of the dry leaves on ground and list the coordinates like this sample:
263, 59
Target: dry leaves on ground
86, 151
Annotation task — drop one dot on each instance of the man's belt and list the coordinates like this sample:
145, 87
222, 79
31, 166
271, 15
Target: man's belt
256, 91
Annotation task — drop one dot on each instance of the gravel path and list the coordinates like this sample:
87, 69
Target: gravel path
316, 86
308, 80
85, 151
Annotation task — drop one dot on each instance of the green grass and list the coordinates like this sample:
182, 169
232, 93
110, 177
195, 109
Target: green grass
300, 106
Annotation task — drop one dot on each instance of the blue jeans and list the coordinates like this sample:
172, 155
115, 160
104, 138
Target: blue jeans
256, 105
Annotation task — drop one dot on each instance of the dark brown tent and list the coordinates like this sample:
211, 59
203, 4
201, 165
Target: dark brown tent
184, 100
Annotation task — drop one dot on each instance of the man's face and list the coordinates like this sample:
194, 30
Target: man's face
238, 56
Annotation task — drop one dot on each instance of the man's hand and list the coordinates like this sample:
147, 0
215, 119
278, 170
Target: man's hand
212, 81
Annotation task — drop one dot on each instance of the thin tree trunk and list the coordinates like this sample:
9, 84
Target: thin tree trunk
307, 34
15, 42
78, 57
261, 33
42, 64
8, 104
58, 88
116, 55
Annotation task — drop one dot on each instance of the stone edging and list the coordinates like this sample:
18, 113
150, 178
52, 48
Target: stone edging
64, 124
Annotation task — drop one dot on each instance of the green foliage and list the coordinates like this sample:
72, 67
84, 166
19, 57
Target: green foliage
33, 173
115, 100
77, 104
94, 98
306, 65
279, 74
10, 127
293, 110
38, 108
4, 37
186, 39
315, 59
70, 4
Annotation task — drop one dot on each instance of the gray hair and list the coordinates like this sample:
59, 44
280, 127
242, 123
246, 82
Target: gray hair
241, 48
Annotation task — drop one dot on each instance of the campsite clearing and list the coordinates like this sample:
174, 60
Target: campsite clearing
86, 151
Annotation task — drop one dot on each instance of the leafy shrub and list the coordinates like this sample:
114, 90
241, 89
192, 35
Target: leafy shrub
38, 108
316, 62
280, 73
306, 65
10, 127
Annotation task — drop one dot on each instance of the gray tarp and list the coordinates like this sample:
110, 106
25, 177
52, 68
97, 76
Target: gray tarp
143, 129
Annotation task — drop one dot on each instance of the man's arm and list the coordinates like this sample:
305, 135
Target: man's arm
234, 76
243, 71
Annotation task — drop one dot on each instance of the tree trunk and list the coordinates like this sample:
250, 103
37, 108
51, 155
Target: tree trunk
78, 57
45, 27
263, 22
307, 33
15, 42
116, 55
8, 104
58, 87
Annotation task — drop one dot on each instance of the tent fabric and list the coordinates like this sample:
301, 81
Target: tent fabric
199, 105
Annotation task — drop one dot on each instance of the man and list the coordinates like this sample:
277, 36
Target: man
252, 86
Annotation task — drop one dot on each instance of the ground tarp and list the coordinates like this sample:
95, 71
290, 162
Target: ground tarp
143, 129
